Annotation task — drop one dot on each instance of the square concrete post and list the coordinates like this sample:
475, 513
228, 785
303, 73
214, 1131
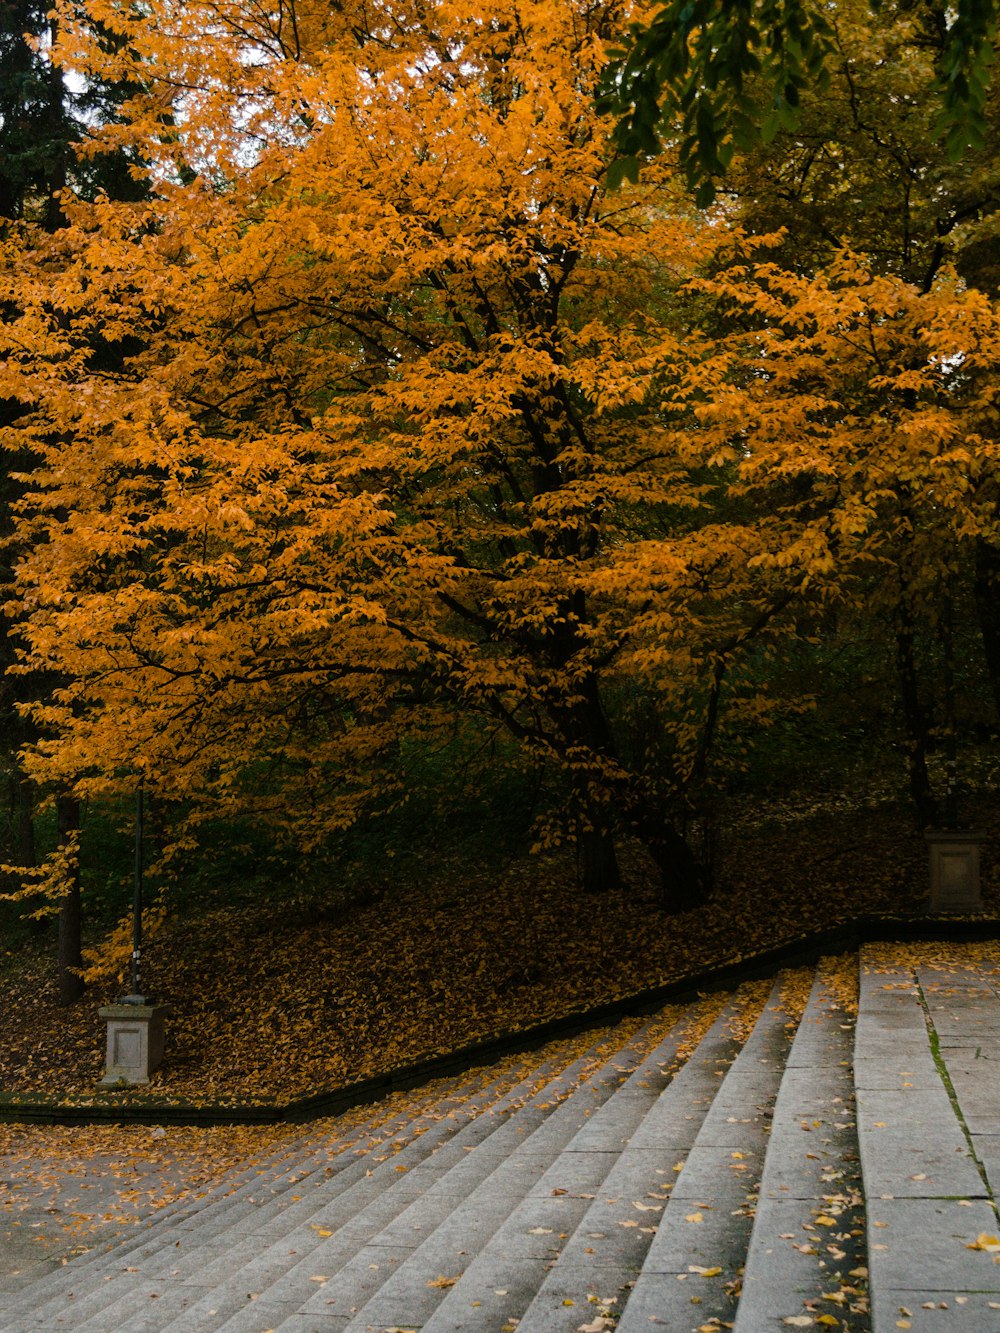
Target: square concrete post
954, 869
135, 1042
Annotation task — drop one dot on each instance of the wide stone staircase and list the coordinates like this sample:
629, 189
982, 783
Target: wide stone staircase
821, 1150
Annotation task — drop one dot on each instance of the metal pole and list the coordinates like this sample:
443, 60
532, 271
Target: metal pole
137, 897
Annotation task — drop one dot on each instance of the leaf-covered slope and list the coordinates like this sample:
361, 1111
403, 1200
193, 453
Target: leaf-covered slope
274, 1002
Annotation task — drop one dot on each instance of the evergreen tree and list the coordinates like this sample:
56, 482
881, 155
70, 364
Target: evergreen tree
42, 119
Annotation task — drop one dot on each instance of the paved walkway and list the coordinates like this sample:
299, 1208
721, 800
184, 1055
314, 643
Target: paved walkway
761, 1161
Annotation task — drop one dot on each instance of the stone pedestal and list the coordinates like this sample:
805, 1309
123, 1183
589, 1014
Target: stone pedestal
135, 1041
955, 869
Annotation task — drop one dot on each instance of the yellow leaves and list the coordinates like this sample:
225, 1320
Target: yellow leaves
987, 1242
441, 1283
51, 880
110, 959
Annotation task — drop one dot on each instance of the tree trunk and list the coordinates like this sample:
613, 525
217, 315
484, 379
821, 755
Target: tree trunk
70, 953
25, 801
986, 588
683, 882
585, 727
27, 853
600, 872
916, 723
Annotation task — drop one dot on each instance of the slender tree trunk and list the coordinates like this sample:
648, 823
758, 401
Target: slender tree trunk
25, 799
986, 588
27, 852
916, 723
70, 911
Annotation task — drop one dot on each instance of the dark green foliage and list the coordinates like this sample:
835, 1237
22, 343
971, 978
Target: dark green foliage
42, 117
36, 125
717, 76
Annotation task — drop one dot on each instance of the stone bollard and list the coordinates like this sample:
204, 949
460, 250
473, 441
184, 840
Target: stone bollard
135, 1041
955, 869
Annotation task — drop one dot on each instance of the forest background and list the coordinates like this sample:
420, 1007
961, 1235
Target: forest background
513, 571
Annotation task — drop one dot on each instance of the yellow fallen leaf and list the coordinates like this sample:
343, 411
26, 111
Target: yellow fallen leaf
985, 1241
442, 1281
694, 1217
824, 1221
705, 1272
831, 1321
321, 1231
567, 1301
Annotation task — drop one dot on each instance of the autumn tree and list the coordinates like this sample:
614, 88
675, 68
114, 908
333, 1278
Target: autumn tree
867, 432
864, 168
414, 427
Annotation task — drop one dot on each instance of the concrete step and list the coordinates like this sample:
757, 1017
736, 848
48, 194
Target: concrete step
222, 1257
691, 1272
929, 1197
458, 1209
807, 1254
517, 1221
324, 1158
632, 1185
591, 1275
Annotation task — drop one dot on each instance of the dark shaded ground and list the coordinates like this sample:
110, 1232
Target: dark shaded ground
274, 999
